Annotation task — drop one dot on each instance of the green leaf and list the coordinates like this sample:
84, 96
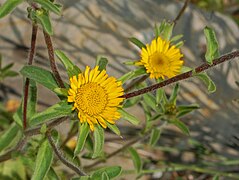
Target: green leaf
154, 137
83, 132
112, 172
58, 110
51, 175
7, 67
40, 75
131, 102
216, 177
61, 91
43, 161
211, 87
101, 62
43, 18
150, 101
156, 31
166, 30
136, 159
125, 115
137, 42
7, 7
49, 5
99, 138
185, 69
7, 137
183, 110
113, 128
212, 45
181, 126
17, 117
159, 96
105, 176
173, 97
176, 38
72, 70
132, 74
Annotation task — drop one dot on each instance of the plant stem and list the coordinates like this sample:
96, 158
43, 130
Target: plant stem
183, 76
181, 11
30, 60
62, 159
52, 59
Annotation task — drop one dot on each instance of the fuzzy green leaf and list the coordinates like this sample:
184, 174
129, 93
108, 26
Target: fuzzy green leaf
181, 126
112, 172
58, 110
99, 138
211, 87
40, 75
105, 176
125, 115
71, 69
101, 62
131, 102
154, 137
51, 175
7, 137
32, 99
212, 45
7, 7
136, 159
159, 96
166, 30
83, 132
43, 18
49, 5
43, 161
137, 42
150, 101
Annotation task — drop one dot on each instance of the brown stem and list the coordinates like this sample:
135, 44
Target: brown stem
52, 59
30, 60
62, 159
183, 76
181, 11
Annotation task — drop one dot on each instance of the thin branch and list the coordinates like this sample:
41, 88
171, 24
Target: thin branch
181, 11
183, 76
30, 60
52, 60
62, 159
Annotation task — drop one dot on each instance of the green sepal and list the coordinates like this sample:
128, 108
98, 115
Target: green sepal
165, 30
40, 75
212, 45
137, 42
211, 87
83, 132
71, 69
43, 161
99, 138
50, 6
58, 110
8, 6
136, 159
181, 126
101, 62
130, 118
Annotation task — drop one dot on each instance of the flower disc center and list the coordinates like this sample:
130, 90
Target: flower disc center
91, 98
158, 59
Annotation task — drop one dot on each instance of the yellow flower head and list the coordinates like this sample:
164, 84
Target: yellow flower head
160, 59
96, 97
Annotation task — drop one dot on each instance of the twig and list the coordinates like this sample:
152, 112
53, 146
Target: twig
181, 12
183, 76
52, 59
62, 159
30, 60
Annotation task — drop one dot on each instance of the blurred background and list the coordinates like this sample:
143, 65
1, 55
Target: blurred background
89, 28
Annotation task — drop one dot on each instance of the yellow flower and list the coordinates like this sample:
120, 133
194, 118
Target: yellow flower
161, 59
96, 97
